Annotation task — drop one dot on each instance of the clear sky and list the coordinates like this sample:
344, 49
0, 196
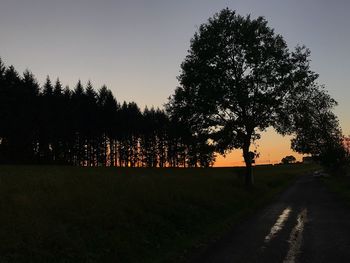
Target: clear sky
136, 47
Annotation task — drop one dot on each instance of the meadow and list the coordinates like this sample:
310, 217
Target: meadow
106, 214
340, 184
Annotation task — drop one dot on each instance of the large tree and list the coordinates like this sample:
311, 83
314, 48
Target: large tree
238, 79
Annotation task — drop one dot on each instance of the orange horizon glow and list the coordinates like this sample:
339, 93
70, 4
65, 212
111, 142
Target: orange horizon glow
272, 148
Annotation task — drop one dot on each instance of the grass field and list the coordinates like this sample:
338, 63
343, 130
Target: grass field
72, 214
340, 185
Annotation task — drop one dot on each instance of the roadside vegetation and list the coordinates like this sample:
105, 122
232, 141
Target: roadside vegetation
76, 214
340, 184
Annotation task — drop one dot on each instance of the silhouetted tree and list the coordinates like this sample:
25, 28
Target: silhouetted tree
149, 138
288, 159
2, 109
316, 128
130, 117
237, 80
91, 127
162, 126
29, 117
48, 88
58, 123
108, 107
12, 111
67, 130
47, 121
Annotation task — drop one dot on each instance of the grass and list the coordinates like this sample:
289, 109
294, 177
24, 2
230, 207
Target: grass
72, 214
340, 185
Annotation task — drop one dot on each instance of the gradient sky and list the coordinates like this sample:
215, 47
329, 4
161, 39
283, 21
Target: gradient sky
136, 47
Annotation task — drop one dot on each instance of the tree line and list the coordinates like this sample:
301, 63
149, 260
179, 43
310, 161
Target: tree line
52, 124
238, 79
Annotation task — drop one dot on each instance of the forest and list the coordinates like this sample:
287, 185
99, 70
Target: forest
54, 124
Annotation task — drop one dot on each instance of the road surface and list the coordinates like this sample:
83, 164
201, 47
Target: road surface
307, 224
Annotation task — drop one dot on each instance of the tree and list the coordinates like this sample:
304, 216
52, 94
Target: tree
237, 80
288, 159
28, 135
108, 107
47, 122
48, 88
92, 129
316, 129
11, 98
58, 89
2, 108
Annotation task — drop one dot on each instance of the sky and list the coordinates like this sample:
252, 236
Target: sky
136, 47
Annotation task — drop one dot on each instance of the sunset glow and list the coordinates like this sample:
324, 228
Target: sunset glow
136, 48
272, 148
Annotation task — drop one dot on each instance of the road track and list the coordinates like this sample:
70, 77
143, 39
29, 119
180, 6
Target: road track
306, 224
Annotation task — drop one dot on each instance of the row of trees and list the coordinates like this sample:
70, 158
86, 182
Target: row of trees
54, 124
238, 79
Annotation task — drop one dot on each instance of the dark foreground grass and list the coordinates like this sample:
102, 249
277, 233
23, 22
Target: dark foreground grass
72, 214
340, 185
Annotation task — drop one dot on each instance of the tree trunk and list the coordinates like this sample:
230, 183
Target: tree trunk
249, 180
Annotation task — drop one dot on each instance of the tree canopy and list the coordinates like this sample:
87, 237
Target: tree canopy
238, 79
288, 159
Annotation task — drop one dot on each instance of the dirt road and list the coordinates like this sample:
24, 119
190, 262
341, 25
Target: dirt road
306, 224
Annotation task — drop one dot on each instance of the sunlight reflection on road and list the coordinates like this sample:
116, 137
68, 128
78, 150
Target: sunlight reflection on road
278, 225
296, 237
